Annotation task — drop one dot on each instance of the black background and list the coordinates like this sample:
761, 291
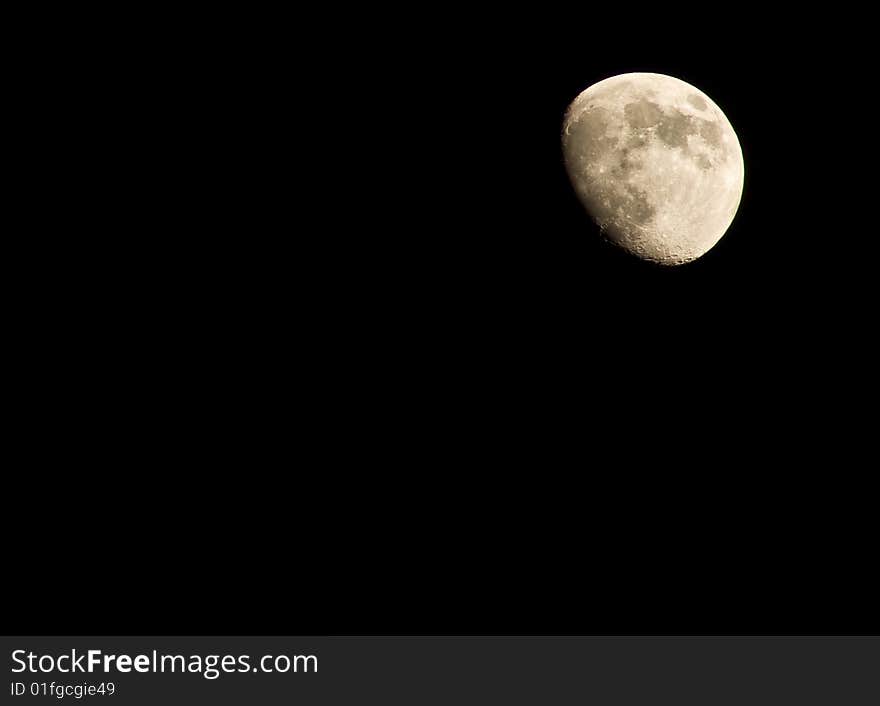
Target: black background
315, 337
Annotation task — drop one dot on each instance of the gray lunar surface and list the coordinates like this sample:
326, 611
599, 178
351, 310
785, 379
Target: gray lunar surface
655, 163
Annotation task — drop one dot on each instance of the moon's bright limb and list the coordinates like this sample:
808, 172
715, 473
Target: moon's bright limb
656, 164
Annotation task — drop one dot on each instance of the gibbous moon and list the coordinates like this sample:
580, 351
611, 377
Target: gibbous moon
655, 163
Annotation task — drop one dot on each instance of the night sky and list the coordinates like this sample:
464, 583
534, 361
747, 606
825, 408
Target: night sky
312, 303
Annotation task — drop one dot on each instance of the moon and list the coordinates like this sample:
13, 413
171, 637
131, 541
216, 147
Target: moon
656, 164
